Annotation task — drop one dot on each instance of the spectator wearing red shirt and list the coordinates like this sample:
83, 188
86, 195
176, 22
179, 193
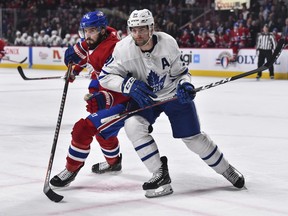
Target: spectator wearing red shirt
220, 39
204, 40
245, 34
276, 34
227, 38
185, 39
237, 41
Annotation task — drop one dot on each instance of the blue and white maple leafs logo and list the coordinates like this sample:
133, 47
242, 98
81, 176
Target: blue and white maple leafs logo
155, 81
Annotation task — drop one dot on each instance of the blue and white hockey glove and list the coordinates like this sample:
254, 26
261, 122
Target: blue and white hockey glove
185, 92
138, 90
76, 53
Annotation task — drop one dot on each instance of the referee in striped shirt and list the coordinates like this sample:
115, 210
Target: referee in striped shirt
265, 45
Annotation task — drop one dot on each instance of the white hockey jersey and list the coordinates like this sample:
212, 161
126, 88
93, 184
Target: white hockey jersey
162, 69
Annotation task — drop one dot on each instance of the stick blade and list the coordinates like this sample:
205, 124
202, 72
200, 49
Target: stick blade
20, 70
52, 195
23, 60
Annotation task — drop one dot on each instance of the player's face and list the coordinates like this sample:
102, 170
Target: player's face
91, 35
140, 35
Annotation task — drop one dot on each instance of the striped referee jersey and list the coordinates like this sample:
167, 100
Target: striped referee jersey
266, 41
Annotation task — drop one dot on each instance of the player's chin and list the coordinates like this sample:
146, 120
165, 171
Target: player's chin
91, 44
140, 42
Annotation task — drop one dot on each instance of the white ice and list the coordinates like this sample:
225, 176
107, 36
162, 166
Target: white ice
247, 119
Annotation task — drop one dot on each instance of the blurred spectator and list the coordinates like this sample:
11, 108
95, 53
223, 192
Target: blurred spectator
271, 22
203, 40
285, 29
61, 32
222, 40
29, 41
208, 26
237, 41
67, 40
198, 28
46, 40
47, 28
55, 40
189, 3
227, 38
245, 34
276, 34
40, 40
24, 38
185, 39
18, 41
245, 12
254, 29
35, 39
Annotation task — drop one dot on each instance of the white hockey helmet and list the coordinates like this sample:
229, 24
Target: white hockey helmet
141, 18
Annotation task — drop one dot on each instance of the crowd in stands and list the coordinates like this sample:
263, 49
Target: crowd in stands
56, 22
238, 29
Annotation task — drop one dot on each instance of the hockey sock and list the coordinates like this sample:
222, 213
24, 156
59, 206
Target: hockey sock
202, 145
110, 148
137, 130
82, 136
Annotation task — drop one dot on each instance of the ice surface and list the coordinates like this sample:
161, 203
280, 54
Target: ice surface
247, 119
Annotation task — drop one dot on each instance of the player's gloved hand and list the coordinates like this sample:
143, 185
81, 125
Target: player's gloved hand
98, 101
72, 76
185, 92
76, 53
138, 90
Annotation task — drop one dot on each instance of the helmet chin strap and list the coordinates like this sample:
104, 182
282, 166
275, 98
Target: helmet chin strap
145, 43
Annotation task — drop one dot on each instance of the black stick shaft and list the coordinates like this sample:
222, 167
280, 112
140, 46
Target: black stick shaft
47, 189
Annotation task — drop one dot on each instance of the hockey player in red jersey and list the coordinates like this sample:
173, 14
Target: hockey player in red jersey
94, 50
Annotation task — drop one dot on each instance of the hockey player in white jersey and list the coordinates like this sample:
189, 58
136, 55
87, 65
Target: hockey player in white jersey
146, 66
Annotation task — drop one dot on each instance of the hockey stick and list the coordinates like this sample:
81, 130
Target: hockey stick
22, 74
112, 119
47, 189
16, 61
